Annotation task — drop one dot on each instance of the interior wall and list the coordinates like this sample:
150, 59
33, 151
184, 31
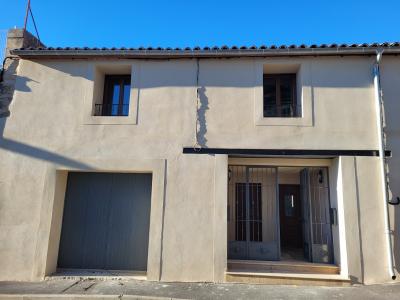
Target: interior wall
289, 176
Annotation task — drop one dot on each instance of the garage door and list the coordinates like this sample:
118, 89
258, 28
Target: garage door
106, 221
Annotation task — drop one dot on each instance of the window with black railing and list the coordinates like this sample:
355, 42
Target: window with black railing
280, 96
116, 96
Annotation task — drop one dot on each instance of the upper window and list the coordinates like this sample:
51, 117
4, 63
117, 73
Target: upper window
280, 95
116, 96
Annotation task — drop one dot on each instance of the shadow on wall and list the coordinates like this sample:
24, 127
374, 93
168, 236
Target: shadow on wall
201, 117
22, 84
393, 163
362, 269
10, 83
225, 73
217, 72
8, 86
390, 81
36, 152
170, 73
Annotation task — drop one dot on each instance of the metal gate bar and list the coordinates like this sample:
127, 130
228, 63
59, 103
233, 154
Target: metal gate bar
252, 213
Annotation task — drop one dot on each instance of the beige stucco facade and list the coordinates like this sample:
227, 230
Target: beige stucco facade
51, 130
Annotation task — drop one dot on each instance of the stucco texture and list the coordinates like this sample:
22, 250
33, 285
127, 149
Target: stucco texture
50, 126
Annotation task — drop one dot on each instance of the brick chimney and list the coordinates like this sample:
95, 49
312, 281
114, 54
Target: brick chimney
16, 38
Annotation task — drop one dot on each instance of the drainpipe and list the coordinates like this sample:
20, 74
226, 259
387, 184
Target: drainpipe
382, 160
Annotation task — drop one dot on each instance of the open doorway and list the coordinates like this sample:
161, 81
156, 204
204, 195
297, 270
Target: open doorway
304, 214
291, 231
279, 214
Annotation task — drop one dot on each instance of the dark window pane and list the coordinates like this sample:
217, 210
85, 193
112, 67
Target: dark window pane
269, 97
127, 91
116, 96
115, 100
280, 95
286, 97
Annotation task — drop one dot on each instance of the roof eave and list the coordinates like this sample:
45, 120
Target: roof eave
167, 54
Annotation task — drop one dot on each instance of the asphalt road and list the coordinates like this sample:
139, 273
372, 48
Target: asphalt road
134, 289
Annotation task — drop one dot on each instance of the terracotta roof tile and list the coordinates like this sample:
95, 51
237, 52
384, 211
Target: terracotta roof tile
234, 50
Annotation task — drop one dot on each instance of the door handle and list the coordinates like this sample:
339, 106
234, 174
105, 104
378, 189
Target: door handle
333, 215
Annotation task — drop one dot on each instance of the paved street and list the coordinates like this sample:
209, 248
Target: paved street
134, 289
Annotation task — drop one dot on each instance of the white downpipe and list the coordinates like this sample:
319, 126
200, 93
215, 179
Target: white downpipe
379, 127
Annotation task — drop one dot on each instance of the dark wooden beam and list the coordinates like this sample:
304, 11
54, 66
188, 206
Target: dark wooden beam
284, 152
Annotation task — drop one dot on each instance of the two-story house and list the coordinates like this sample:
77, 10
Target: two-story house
242, 164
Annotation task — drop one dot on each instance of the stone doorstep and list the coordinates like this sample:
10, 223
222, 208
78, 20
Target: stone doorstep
254, 277
295, 267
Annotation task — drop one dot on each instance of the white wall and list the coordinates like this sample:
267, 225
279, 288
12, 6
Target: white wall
48, 127
390, 75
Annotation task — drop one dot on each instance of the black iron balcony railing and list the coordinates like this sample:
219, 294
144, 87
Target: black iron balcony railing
282, 110
111, 109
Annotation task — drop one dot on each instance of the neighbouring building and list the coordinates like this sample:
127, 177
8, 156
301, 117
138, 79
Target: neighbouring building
244, 164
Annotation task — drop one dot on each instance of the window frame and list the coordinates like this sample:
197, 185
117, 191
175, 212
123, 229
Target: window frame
107, 103
277, 78
94, 89
302, 67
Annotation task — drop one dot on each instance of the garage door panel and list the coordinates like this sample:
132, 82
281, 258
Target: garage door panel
128, 242
75, 230
96, 216
106, 221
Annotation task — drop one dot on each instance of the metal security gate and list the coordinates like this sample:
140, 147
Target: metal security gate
317, 230
252, 213
106, 221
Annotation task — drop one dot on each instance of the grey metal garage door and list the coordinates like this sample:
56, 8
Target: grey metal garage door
106, 221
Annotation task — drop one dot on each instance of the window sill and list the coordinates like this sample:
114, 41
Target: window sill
283, 121
110, 120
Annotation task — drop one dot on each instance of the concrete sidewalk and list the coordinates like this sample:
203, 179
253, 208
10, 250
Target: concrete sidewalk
134, 289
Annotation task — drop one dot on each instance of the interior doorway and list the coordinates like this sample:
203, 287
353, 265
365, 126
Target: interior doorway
290, 216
